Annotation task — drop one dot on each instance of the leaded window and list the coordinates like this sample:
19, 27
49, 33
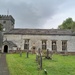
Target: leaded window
64, 45
26, 44
54, 45
44, 44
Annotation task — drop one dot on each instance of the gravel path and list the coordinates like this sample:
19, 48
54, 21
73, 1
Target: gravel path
3, 65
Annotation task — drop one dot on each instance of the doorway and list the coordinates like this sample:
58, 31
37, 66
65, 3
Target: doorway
5, 49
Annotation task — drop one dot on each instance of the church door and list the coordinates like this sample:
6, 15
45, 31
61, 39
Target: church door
5, 49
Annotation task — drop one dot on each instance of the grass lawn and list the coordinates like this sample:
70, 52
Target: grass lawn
59, 65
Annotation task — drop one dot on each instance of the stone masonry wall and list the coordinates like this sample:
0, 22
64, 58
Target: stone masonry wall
19, 41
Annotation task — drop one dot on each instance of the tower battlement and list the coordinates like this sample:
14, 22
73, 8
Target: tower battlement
7, 17
7, 22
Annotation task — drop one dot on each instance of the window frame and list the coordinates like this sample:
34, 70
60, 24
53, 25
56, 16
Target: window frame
64, 45
54, 47
26, 44
4, 22
44, 44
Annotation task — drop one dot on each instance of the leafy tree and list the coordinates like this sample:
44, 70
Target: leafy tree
73, 27
67, 24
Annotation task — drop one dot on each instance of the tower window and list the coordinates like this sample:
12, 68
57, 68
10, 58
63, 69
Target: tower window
4, 22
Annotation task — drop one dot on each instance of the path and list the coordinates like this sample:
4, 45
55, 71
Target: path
3, 65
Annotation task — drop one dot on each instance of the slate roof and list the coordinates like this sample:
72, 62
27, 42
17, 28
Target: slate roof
41, 32
10, 43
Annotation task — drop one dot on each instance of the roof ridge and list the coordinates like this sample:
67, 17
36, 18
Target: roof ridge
41, 31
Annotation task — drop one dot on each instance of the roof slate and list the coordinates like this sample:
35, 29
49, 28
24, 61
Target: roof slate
41, 32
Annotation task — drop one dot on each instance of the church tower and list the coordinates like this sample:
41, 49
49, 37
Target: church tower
7, 22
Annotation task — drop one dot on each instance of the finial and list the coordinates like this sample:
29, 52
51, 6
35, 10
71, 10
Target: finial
8, 12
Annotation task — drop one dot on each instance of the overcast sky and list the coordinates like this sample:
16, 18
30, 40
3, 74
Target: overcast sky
45, 14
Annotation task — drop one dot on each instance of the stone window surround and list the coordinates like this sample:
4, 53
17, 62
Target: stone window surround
44, 44
64, 45
54, 45
26, 43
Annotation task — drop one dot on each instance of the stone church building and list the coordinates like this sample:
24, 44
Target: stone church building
16, 39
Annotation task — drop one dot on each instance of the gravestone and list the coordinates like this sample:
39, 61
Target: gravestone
20, 53
51, 54
39, 58
27, 53
47, 54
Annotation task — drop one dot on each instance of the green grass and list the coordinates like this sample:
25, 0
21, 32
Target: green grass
59, 65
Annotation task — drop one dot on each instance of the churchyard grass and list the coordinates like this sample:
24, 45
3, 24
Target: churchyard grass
59, 65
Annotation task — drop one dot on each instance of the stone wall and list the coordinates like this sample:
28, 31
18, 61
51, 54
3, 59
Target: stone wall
19, 41
1, 39
7, 21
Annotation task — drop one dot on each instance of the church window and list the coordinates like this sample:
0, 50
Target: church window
44, 44
26, 44
64, 45
4, 22
54, 45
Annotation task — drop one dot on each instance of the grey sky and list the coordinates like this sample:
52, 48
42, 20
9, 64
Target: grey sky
38, 13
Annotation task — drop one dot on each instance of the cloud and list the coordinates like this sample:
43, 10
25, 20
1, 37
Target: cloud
31, 13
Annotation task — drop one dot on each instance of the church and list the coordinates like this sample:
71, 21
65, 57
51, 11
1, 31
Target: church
15, 39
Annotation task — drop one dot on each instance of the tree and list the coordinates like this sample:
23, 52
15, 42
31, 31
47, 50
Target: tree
67, 24
73, 27
0, 27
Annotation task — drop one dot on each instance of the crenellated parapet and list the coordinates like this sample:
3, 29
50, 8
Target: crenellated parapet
7, 17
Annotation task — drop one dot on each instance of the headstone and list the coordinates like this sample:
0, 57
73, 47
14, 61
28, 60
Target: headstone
27, 53
48, 57
36, 56
20, 53
39, 58
51, 54
40, 62
47, 54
